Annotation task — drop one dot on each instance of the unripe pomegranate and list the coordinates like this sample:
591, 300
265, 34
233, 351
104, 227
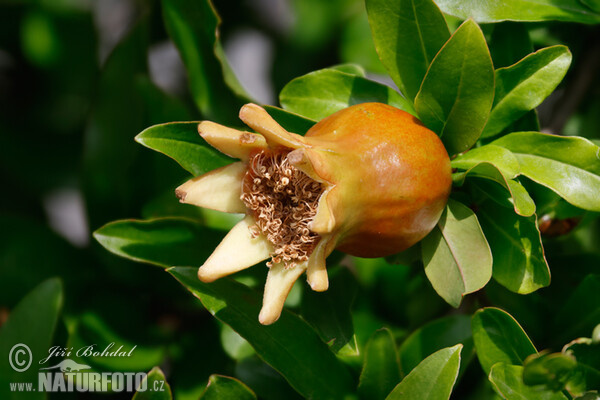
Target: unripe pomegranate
370, 180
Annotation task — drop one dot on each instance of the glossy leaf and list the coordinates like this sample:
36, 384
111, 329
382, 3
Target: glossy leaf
519, 261
291, 122
352, 69
505, 161
493, 177
329, 311
519, 10
290, 346
499, 338
321, 93
164, 241
407, 35
193, 27
568, 165
432, 379
457, 92
156, 387
223, 388
31, 323
524, 85
581, 311
436, 335
456, 255
181, 142
381, 370
507, 381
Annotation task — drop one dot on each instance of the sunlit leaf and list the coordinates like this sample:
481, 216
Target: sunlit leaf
181, 142
163, 241
456, 254
568, 165
432, 379
407, 34
456, 95
520, 10
524, 85
321, 93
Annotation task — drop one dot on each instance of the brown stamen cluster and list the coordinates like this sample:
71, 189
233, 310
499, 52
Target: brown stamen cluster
284, 201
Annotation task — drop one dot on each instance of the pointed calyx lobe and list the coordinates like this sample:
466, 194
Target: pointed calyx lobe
370, 180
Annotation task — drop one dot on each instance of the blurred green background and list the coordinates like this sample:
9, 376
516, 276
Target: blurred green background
79, 79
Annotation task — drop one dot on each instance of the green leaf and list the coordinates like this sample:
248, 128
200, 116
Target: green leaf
457, 92
516, 243
519, 10
352, 69
381, 370
181, 142
164, 241
524, 85
193, 27
224, 388
432, 379
30, 326
507, 381
499, 338
321, 93
156, 387
407, 35
494, 168
289, 121
587, 353
436, 335
504, 160
456, 255
329, 311
506, 192
234, 345
581, 311
568, 165
290, 345
555, 371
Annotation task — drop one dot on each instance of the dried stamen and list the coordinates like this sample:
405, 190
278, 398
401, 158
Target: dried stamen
284, 201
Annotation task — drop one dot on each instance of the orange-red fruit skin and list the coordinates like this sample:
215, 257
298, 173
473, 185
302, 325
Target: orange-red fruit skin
392, 177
